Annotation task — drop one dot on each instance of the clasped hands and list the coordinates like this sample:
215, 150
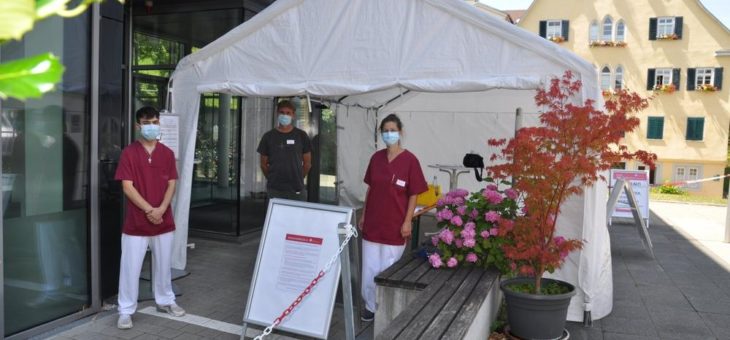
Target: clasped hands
154, 215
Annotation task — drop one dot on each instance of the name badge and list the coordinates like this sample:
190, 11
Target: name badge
400, 183
290, 142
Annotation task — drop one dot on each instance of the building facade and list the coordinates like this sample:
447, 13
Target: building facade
675, 52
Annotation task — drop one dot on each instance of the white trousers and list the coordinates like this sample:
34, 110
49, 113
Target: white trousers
376, 257
133, 252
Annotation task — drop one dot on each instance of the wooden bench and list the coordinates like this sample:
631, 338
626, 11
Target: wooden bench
416, 301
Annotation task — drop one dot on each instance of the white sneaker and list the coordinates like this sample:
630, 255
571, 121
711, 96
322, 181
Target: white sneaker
125, 321
172, 309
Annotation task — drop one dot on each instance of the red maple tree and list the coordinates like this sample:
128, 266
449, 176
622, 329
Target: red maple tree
549, 163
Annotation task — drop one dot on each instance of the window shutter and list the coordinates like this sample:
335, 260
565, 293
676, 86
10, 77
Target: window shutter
678, 26
660, 127
565, 26
691, 72
675, 78
650, 79
652, 28
543, 28
695, 128
690, 129
718, 77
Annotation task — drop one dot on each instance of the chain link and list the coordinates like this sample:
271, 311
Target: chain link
350, 231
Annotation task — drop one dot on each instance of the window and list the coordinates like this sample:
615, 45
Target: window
605, 78
607, 34
620, 31
665, 26
554, 29
663, 76
685, 173
695, 128
593, 31
619, 78
655, 128
619, 165
704, 76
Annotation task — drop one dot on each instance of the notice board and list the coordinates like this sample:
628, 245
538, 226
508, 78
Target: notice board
170, 131
298, 240
639, 181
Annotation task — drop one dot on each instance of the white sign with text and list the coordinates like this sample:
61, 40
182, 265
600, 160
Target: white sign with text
169, 131
639, 180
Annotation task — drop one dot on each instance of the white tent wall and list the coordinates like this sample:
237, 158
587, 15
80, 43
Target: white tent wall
371, 51
257, 117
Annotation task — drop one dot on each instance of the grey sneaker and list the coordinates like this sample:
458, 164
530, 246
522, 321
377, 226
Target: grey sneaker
125, 321
172, 309
367, 315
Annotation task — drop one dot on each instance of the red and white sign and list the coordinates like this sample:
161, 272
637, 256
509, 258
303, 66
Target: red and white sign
639, 180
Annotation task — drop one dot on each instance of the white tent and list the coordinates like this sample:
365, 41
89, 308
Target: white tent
454, 74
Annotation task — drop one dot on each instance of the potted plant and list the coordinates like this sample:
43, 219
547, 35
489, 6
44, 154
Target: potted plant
547, 164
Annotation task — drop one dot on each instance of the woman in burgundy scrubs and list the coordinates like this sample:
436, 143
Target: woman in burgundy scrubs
394, 178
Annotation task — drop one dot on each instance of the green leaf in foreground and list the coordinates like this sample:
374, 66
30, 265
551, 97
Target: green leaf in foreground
29, 77
16, 18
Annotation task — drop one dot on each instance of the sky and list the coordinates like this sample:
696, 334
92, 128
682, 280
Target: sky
720, 8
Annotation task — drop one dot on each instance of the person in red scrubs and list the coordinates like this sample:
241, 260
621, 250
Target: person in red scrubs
394, 178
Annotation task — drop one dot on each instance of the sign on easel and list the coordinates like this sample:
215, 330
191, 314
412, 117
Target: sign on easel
623, 186
298, 240
639, 181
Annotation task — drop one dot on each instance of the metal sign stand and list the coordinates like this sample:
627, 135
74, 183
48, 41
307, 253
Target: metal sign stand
640, 225
346, 288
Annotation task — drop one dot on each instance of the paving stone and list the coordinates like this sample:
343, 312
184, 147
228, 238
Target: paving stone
718, 323
620, 336
623, 325
578, 332
679, 324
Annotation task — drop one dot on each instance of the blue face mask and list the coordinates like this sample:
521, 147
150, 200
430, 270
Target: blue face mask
150, 131
284, 120
390, 137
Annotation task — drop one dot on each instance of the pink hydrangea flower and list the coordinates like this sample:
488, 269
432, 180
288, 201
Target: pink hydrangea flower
440, 203
452, 262
435, 240
492, 216
493, 197
471, 257
457, 221
458, 200
459, 243
474, 213
447, 236
458, 193
446, 214
492, 187
511, 193
468, 233
494, 231
461, 210
470, 225
448, 200
485, 234
470, 242
435, 260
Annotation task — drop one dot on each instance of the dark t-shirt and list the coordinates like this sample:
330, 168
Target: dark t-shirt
150, 175
285, 152
391, 184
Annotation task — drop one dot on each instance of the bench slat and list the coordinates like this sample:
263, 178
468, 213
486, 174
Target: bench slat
420, 321
413, 278
457, 329
446, 316
384, 275
407, 269
401, 321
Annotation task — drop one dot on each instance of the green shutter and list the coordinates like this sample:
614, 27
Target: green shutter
695, 128
655, 128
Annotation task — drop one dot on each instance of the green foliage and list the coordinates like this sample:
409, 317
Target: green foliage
552, 288
32, 76
29, 77
668, 188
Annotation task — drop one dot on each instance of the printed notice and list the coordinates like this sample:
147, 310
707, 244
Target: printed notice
639, 180
169, 132
299, 262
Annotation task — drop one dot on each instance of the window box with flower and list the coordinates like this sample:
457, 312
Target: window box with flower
665, 88
706, 88
556, 38
607, 43
670, 36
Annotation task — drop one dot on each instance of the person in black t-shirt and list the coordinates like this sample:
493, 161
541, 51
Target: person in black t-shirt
286, 156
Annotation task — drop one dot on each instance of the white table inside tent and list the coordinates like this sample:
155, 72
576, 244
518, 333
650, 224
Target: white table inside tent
454, 171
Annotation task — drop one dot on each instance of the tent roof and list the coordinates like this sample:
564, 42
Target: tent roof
369, 50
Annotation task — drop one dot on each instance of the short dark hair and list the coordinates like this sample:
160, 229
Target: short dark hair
391, 118
286, 104
147, 112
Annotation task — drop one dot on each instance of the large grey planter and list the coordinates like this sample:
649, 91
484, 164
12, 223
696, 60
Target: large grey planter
532, 316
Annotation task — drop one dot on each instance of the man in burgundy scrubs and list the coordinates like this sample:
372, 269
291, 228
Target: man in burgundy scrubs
148, 173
